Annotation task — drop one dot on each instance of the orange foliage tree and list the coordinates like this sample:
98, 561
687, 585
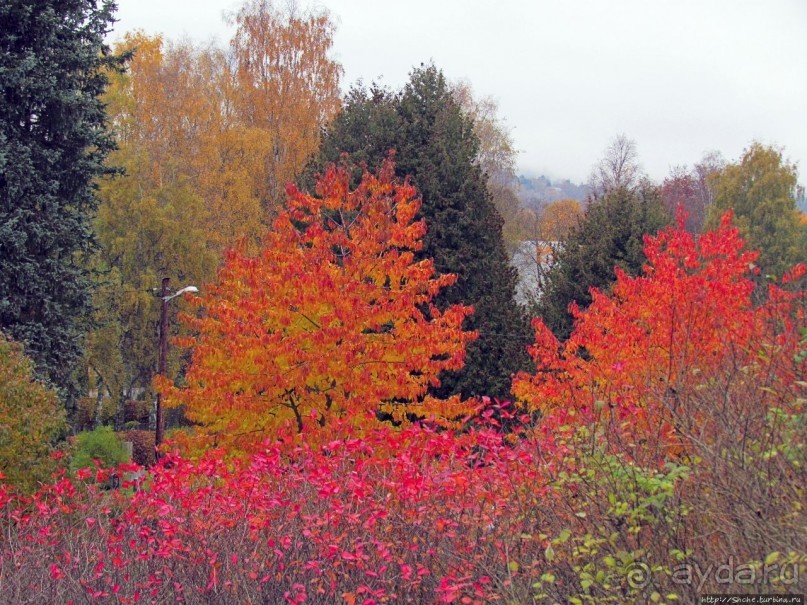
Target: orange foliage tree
207, 147
558, 218
638, 356
332, 319
287, 87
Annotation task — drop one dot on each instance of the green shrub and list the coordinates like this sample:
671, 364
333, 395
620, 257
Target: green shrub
32, 420
614, 535
101, 444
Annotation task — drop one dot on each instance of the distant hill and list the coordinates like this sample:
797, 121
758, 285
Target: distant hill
538, 191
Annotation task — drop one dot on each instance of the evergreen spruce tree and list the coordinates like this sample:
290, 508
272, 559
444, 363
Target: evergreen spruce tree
611, 234
366, 129
53, 140
435, 146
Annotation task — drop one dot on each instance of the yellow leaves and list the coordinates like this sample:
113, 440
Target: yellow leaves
208, 139
287, 86
558, 218
235, 130
31, 418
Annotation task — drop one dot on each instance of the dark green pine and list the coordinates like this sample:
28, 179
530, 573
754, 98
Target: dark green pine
53, 141
610, 235
435, 146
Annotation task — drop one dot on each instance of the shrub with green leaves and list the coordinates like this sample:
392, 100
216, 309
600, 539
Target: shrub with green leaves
101, 444
31, 420
611, 535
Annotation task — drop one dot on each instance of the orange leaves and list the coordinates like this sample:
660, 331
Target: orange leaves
558, 218
332, 319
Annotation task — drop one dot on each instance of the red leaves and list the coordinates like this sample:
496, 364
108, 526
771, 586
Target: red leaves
292, 522
638, 354
296, 595
55, 572
415, 514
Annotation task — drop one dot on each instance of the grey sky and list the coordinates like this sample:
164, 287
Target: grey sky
681, 77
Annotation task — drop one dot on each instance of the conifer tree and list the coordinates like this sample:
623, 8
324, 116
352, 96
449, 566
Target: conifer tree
434, 144
53, 140
611, 234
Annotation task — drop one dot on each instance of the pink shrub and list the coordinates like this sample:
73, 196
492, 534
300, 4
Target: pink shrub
399, 516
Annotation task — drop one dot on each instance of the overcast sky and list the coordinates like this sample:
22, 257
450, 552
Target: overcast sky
680, 77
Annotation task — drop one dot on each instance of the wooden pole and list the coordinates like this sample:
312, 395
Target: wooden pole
158, 434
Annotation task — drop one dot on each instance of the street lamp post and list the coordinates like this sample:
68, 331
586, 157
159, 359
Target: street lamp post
164, 299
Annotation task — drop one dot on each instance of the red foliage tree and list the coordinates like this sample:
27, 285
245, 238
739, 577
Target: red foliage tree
638, 355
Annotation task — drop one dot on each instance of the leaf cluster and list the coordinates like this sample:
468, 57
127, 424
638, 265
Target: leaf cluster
32, 420
334, 318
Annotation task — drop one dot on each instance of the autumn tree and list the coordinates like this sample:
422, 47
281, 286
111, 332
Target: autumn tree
496, 156
679, 365
435, 145
761, 189
162, 217
146, 235
627, 331
639, 355
558, 219
205, 141
287, 87
174, 118
53, 141
609, 235
32, 419
334, 318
